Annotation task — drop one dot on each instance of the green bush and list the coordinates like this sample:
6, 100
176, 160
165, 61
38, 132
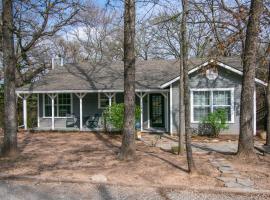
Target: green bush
114, 115
217, 121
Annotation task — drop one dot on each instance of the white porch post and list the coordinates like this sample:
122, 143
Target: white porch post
254, 113
38, 112
52, 113
25, 111
165, 95
52, 96
110, 96
148, 111
141, 105
171, 109
80, 96
166, 113
141, 95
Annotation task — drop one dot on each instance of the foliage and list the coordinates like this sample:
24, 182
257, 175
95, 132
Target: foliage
114, 115
31, 110
216, 121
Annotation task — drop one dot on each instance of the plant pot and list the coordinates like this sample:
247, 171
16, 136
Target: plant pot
138, 135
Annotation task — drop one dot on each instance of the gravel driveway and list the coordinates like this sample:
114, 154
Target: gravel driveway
50, 191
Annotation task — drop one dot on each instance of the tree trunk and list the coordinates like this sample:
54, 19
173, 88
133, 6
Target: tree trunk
268, 110
128, 148
246, 143
181, 129
184, 51
9, 62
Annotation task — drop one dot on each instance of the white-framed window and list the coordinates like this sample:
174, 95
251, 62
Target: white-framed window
62, 105
103, 100
204, 101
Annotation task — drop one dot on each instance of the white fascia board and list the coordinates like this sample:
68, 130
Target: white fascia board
191, 71
218, 63
85, 91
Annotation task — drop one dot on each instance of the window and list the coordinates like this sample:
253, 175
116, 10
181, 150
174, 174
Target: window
103, 100
62, 105
204, 101
222, 99
201, 104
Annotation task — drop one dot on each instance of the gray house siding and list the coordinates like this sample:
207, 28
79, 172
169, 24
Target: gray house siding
226, 79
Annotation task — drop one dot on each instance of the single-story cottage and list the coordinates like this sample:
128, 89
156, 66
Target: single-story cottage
74, 95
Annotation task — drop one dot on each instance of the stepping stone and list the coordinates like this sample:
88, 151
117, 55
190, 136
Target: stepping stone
245, 182
225, 169
226, 179
234, 185
220, 159
225, 164
234, 174
100, 178
216, 164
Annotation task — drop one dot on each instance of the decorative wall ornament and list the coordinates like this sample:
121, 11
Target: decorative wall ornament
211, 74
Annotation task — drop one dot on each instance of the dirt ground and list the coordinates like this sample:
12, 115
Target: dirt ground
74, 156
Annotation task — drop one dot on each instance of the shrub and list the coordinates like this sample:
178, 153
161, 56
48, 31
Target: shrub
215, 122
114, 115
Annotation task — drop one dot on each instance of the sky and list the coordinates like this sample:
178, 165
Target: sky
101, 2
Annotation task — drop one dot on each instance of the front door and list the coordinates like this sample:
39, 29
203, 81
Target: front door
157, 110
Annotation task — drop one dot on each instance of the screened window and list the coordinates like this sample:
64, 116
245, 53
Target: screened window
206, 101
222, 99
62, 105
201, 104
103, 100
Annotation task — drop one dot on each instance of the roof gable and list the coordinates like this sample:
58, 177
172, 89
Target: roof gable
220, 64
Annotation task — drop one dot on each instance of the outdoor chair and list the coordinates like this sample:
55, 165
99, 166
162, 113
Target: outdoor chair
71, 121
93, 122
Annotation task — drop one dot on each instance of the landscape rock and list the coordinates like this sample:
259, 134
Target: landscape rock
227, 179
100, 178
245, 182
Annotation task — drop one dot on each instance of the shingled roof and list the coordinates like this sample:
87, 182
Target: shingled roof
150, 74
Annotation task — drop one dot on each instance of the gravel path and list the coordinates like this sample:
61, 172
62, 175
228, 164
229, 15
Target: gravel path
50, 191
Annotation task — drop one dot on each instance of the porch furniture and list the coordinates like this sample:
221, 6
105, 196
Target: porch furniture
71, 121
92, 122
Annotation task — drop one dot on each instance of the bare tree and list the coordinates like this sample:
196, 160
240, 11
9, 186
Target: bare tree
34, 23
268, 110
99, 35
9, 62
184, 52
246, 143
128, 148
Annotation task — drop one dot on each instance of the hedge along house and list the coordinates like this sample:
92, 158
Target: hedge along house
85, 91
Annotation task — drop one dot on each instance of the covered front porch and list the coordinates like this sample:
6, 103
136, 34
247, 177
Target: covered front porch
83, 110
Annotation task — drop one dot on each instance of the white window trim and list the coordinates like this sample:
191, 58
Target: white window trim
99, 104
56, 103
211, 99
